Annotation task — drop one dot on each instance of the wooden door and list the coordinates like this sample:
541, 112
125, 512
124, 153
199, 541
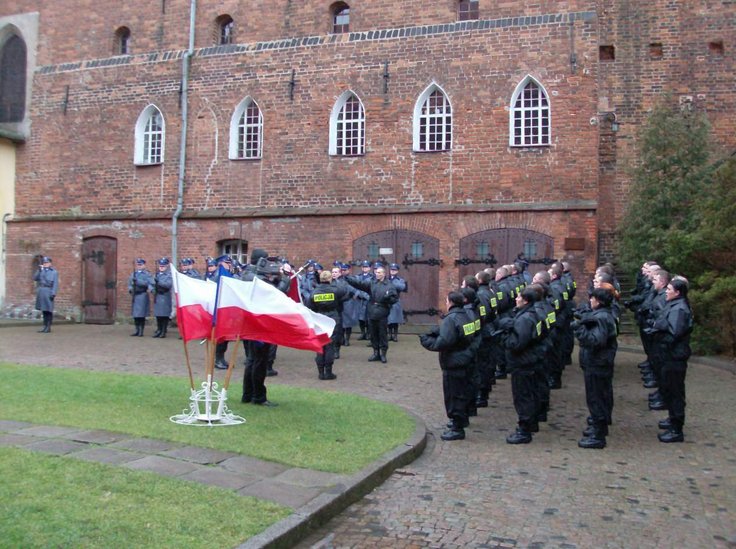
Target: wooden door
496, 247
99, 280
418, 257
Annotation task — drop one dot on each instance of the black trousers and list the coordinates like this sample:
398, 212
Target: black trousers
672, 389
541, 375
337, 336
524, 392
378, 332
455, 391
326, 357
599, 397
486, 365
256, 365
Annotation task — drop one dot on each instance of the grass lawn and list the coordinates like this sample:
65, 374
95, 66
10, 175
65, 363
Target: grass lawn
49, 501
320, 430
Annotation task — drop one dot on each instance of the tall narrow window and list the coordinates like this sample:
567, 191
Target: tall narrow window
13, 80
347, 126
467, 10
530, 115
432, 121
224, 30
246, 131
122, 41
340, 18
149, 137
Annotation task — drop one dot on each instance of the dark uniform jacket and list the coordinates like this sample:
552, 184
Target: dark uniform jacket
596, 332
327, 299
671, 332
453, 339
522, 339
381, 294
162, 284
139, 284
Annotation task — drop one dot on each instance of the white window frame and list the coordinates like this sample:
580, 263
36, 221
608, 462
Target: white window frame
236, 128
536, 112
143, 137
337, 125
419, 117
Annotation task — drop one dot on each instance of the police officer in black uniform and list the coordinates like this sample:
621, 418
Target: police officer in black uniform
327, 298
382, 294
453, 339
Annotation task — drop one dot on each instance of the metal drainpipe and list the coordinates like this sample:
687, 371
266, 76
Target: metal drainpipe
184, 121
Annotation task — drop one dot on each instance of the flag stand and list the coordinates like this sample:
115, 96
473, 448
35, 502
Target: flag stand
207, 408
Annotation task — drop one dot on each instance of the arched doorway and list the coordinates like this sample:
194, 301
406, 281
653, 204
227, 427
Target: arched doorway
99, 279
495, 247
418, 256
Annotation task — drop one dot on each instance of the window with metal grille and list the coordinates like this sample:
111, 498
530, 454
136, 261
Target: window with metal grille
340, 18
373, 250
224, 30
530, 248
246, 131
236, 249
149, 137
530, 116
467, 10
482, 249
347, 127
417, 249
433, 122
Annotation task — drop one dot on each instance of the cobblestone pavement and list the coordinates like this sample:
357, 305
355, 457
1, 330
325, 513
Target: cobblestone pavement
481, 492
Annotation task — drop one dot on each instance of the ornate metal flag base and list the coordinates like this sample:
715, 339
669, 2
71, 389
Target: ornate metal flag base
201, 405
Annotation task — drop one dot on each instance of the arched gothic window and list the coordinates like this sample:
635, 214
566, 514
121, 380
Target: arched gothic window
347, 126
433, 121
529, 115
149, 137
340, 17
13, 58
246, 131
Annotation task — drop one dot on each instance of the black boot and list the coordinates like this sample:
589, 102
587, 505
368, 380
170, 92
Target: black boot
665, 424
337, 352
164, 327
674, 434
375, 357
142, 326
321, 372
455, 432
158, 331
596, 439
481, 399
137, 328
382, 356
520, 436
328, 372
346, 337
363, 331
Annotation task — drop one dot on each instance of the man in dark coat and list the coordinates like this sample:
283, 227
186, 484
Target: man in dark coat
382, 295
139, 284
162, 284
453, 340
327, 298
47, 284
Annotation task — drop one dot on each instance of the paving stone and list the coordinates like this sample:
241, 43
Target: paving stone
309, 478
145, 445
56, 446
46, 431
9, 425
163, 466
17, 440
283, 494
96, 436
204, 456
107, 455
216, 476
253, 466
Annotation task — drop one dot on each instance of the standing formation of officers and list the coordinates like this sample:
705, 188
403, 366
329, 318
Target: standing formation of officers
141, 283
665, 321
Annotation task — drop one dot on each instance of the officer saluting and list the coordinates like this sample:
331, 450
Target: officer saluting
162, 284
47, 284
139, 284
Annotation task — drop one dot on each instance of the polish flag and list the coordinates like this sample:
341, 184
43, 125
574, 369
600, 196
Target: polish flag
195, 306
293, 291
257, 311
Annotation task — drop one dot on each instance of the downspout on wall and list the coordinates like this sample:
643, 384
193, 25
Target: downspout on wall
186, 62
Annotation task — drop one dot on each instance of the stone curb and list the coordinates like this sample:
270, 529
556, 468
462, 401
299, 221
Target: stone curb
289, 531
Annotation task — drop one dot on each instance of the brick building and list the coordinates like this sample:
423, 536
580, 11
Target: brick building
443, 135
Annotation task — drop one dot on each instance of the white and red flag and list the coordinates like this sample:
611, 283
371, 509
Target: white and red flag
195, 306
257, 311
293, 291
